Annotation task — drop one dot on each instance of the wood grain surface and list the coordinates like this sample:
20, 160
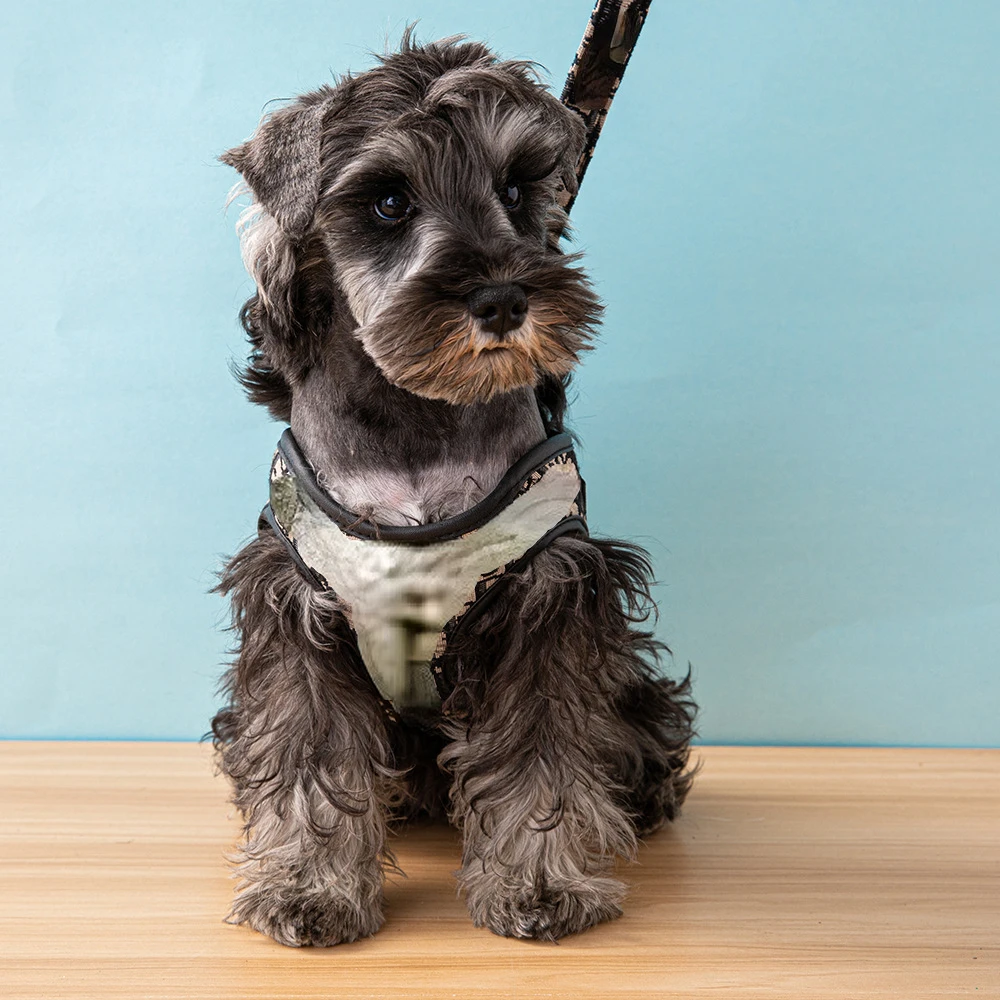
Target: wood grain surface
793, 873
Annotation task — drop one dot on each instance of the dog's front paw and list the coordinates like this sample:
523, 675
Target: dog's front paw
315, 917
540, 909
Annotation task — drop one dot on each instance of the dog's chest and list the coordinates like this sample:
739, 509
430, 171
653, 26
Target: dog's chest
401, 497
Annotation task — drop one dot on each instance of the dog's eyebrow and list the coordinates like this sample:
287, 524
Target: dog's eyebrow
364, 176
532, 164
526, 175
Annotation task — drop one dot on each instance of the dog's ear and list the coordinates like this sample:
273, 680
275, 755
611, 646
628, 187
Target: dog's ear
281, 161
574, 132
576, 137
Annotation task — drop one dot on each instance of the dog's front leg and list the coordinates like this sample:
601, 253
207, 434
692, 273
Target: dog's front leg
537, 775
310, 866
304, 743
541, 826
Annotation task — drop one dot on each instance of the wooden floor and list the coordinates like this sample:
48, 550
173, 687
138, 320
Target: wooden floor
792, 874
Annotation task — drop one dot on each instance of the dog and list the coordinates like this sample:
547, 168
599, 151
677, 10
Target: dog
416, 322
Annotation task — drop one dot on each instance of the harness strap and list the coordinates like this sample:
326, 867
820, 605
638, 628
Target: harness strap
408, 591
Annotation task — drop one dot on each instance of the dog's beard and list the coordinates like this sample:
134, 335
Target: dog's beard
424, 339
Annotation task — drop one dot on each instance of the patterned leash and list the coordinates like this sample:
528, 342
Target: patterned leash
599, 67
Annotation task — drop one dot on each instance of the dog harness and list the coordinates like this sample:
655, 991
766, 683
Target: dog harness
408, 590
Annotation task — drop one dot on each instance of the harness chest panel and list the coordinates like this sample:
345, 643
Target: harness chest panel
407, 590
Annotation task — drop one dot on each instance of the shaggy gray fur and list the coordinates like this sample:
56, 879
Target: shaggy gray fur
561, 743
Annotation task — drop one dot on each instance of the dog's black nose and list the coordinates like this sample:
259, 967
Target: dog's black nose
499, 308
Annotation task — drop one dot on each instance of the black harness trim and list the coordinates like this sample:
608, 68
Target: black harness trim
422, 534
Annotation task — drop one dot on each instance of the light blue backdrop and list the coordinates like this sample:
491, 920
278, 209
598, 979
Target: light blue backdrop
793, 218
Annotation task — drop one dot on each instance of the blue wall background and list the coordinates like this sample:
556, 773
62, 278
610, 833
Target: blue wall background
793, 219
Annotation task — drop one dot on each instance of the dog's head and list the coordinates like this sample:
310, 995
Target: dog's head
416, 207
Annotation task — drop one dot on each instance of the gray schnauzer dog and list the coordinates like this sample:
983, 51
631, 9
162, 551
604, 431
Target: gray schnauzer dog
415, 322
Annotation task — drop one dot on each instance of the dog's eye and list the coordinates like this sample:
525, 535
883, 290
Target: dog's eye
392, 206
510, 196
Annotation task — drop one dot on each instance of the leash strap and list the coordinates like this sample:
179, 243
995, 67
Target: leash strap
599, 67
